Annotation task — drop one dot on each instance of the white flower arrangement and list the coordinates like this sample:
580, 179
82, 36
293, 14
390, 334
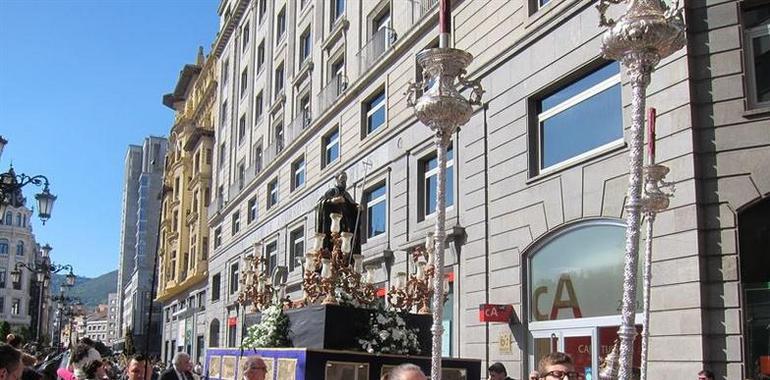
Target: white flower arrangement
271, 331
388, 334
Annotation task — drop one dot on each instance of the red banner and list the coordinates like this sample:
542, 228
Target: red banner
495, 313
232, 321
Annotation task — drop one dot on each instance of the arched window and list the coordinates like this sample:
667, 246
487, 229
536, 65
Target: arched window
9, 218
20, 248
3, 246
18, 219
214, 333
753, 232
574, 287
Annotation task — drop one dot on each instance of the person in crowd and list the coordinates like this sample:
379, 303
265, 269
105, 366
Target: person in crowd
254, 368
81, 359
555, 366
497, 371
198, 369
407, 371
14, 341
705, 375
95, 370
139, 368
10, 363
180, 370
29, 373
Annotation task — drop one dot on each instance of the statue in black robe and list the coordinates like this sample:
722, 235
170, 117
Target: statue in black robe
338, 200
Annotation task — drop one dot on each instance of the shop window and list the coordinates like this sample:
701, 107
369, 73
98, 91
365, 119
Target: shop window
575, 279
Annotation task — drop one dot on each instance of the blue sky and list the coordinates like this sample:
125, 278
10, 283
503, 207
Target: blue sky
80, 80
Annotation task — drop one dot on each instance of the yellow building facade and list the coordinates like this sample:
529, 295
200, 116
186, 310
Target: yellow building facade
184, 237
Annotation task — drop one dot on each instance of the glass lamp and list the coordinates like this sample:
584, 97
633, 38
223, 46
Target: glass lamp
346, 238
46, 251
336, 219
70, 279
45, 201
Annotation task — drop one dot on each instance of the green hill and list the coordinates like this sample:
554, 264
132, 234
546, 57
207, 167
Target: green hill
91, 291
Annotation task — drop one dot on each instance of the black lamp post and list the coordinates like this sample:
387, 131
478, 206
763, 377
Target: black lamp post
64, 309
42, 269
11, 185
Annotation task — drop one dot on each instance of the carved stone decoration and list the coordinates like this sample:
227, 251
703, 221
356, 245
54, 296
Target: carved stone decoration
645, 34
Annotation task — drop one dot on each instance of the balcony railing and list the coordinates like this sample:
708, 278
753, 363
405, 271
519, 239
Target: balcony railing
375, 48
290, 133
331, 92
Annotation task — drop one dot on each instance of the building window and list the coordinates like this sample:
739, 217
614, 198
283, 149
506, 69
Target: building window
376, 210
272, 193
338, 9
258, 104
244, 81
258, 158
245, 37
232, 335
260, 55
20, 248
16, 306
3, 247
233, 278
298, 173
262, 9
429, 168
222, 155
216, 283
572, 276
2, 279
17, 285
375, 112
305, 45
236, 222
214, 333
225, 72
579, 118
252, 213
217, 237
205, 249
242, 129
271, 251
278, 137
381, 27
331, 143
9, 218
297, 248
756, 24
280, 28
278, 80
241, 175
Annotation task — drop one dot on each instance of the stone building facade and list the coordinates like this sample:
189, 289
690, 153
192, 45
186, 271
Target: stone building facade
184, 232
20, 301
538, 177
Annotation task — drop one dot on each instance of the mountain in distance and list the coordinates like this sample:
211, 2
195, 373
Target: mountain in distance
91, 291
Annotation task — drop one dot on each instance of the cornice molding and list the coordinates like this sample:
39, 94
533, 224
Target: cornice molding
227, 31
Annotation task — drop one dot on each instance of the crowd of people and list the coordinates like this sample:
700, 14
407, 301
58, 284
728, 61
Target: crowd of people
86, 363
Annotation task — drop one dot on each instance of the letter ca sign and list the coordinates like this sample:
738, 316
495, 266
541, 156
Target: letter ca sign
571, 302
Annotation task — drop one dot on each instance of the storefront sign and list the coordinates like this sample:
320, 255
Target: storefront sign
495, 313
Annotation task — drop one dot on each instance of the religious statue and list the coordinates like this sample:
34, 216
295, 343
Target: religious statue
338, 200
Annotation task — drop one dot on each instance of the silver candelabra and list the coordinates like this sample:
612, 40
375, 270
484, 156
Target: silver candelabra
442, 108
646, 33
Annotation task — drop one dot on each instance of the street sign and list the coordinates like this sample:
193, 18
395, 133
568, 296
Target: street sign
495, 313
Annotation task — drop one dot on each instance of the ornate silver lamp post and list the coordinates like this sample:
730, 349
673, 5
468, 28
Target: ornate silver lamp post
442, 108
646, 33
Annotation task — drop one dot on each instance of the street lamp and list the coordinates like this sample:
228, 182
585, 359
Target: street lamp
43, 270
11, 185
